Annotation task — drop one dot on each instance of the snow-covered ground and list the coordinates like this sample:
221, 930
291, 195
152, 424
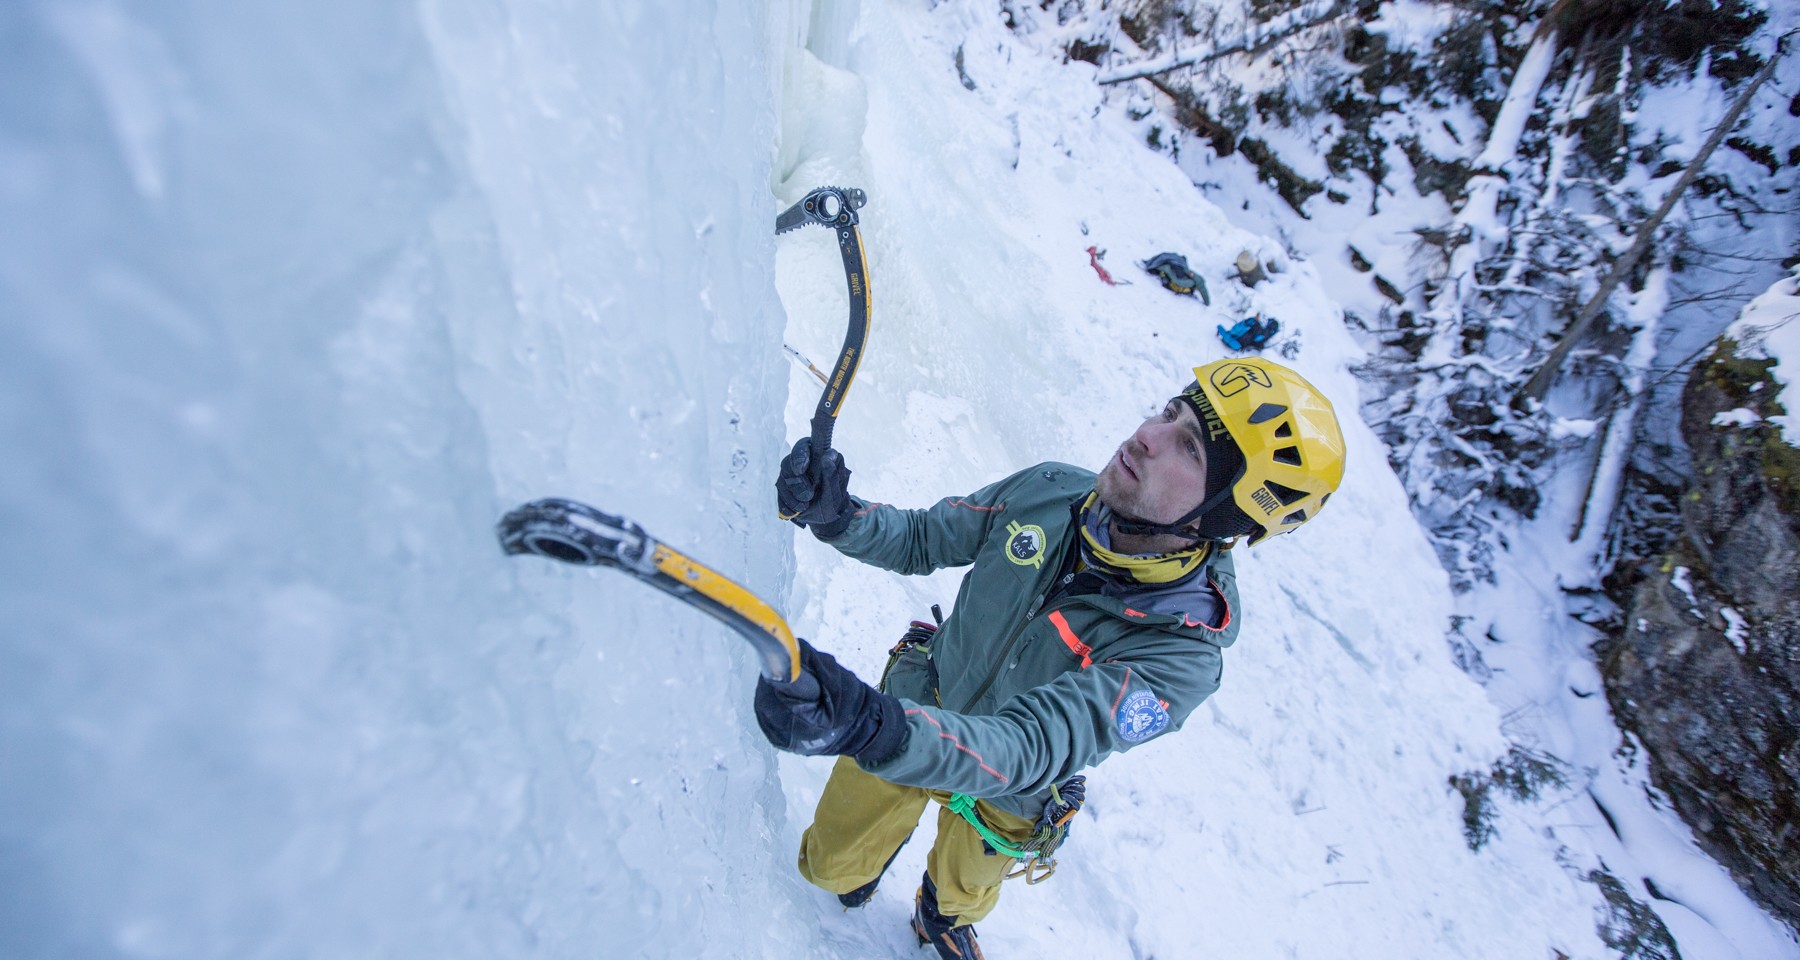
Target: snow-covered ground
295, 300
1769, 328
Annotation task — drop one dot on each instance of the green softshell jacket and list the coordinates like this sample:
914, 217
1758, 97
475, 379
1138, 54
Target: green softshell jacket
1031, 692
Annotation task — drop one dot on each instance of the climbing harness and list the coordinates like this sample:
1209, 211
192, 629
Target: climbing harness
919, 634
1037, 855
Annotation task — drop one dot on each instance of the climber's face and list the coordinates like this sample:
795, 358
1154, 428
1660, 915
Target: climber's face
1159, 473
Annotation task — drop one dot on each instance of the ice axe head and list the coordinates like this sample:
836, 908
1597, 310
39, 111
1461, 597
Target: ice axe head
571, 532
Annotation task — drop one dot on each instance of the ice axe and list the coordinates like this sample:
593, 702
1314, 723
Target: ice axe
578, 534
572, 532
835, 207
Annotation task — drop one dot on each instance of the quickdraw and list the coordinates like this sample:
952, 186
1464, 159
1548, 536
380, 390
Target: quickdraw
836, 207
1037, 854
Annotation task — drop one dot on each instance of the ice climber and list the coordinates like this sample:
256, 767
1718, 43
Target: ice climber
1094, 618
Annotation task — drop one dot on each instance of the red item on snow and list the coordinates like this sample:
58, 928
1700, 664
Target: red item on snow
1094, 259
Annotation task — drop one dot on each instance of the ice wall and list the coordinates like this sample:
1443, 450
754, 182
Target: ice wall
295, 300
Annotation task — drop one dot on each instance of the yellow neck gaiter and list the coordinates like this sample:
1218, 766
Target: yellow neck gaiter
1142, 568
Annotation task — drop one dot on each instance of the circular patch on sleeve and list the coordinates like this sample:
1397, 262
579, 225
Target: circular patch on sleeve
1140, 717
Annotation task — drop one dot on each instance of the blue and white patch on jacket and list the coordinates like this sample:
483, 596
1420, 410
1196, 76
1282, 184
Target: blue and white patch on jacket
1140, 716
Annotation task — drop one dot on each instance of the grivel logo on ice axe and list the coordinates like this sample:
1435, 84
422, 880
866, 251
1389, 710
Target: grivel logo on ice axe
576, 533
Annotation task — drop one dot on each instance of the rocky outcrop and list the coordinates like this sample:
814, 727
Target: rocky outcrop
1705, 665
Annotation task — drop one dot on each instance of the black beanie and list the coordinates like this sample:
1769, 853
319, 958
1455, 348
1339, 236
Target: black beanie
1224, 465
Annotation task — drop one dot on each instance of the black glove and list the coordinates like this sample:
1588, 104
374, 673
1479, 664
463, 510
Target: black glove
815, 494
844, 717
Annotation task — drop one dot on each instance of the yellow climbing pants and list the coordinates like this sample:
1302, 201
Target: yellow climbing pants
862, 819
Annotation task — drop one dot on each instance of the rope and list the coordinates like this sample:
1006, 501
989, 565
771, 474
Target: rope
964, 806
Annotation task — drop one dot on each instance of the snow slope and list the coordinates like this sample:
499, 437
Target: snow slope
1306, 806
1769, 328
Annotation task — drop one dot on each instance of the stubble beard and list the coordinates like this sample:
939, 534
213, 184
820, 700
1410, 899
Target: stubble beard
1114, 489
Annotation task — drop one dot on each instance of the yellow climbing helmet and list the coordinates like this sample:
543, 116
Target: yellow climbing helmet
1287, 431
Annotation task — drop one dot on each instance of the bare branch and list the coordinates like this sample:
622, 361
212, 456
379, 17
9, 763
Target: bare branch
1250, 45
1539, 383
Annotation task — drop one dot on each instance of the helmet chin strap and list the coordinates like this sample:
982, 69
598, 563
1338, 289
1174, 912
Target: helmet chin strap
1144, 528
1140, 527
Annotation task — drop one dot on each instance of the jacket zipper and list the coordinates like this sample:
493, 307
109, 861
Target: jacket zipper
1018, 631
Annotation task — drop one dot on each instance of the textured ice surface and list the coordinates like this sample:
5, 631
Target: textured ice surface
295, 300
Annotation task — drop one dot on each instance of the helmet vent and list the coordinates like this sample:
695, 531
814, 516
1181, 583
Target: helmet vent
1287, 455
1284, 431
1298, 516
1286, 495
1266, 412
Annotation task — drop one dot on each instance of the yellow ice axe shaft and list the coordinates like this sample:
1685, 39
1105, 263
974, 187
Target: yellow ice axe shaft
576, 533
